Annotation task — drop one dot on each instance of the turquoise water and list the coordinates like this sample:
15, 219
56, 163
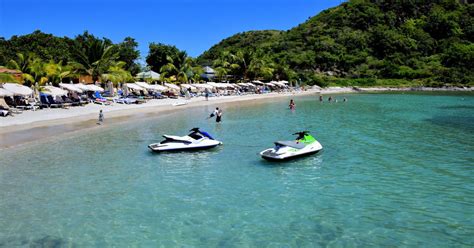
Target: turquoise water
396, 170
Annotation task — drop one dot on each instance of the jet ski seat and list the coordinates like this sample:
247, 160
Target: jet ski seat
293, 144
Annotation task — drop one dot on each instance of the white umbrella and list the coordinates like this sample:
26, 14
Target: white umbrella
4, 93
133, 86
172, 86
18, 89
148, 74
203, 86
82, 87
71, 87
145, 85
187, 86
257, 82
158, 87
54, 91
94, 88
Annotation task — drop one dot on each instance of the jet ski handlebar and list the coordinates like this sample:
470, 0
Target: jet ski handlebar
301, 133
196, 129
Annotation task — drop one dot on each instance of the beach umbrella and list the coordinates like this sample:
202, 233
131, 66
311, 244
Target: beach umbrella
82, 86
148, 75
202, 86
18, 89
4, 93
71, 87
95, 88
172, 86
54, 91
159, 87
144, 85
133, 86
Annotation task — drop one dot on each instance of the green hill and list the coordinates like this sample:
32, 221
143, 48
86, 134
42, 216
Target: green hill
364, 42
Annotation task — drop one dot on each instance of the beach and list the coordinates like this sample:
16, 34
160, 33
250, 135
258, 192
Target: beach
40, 124
33, 125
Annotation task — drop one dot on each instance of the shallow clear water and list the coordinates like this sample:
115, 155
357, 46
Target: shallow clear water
396, 170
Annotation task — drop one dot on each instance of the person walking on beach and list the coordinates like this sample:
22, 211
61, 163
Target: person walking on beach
101, 117
292, 104
206, 93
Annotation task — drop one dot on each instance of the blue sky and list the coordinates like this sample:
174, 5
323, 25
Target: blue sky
193, 26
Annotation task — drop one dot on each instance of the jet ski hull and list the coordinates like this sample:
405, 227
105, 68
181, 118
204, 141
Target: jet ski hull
169, 147
287, 153
287, 158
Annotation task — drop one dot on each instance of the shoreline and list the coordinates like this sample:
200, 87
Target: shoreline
35, 125
28, 131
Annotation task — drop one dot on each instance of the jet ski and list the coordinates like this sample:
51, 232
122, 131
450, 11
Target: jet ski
195, 140
305, 144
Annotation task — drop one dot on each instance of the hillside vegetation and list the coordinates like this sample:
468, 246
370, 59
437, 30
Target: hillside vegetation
364, 42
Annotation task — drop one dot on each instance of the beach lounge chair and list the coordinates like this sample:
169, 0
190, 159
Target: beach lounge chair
99, 99
44, 103
5, 107
53, 103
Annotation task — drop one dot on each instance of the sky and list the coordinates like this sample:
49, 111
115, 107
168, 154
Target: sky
190, 25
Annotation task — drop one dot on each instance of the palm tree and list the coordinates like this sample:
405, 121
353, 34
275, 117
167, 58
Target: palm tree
116, 73
57, 71
179, 68
22, 63
261, 67
32, 68
93, 57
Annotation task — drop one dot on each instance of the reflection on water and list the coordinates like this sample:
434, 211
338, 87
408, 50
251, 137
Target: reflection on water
396, 168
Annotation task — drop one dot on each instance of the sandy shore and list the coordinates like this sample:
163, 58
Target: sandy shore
33, 125
41, 124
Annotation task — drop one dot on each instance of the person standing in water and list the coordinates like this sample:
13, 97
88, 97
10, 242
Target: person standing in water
292, 104
330, 99
218, 114
101, 117
320, 98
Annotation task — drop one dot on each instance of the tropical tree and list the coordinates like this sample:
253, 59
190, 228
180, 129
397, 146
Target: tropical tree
159, 55
92, 56
117, 73
179, 68
23, 63
56, 72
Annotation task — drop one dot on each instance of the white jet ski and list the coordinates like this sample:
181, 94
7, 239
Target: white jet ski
196, 140
304, 145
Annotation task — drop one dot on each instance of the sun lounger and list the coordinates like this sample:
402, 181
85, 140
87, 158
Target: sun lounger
99, 99
52, 102
126, 100
4, 106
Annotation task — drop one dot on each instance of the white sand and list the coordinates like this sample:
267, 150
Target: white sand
56, 116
